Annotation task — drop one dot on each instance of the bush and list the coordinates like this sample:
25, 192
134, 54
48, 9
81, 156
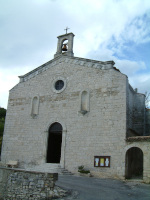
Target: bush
82, 170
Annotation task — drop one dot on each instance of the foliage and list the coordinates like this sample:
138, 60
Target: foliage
2, 122
1, 128
81, 169
2, 113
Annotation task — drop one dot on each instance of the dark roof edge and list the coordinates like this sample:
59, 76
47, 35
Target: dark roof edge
66, 34
138, 139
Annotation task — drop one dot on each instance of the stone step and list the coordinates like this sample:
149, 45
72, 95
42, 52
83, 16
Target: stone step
65, 172
46, 167
50, 168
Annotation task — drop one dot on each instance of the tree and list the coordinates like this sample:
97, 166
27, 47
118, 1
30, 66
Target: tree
2, 113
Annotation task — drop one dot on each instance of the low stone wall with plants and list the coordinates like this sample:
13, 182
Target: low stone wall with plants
17, 184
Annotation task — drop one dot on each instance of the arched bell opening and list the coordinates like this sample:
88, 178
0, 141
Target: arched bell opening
64, 46
54, 143
134, 163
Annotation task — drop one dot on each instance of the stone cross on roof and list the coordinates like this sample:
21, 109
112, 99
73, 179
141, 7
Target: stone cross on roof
66, 29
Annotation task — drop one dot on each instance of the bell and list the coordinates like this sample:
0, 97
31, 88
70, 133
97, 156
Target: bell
64, 47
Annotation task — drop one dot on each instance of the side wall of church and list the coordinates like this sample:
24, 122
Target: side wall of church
147, 131
139, 113
135, 112
130, 107
100, 131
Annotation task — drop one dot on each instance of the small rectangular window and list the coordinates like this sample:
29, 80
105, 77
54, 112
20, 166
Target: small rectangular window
101, 161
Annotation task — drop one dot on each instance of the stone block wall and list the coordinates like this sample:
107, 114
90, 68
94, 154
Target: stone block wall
19, 184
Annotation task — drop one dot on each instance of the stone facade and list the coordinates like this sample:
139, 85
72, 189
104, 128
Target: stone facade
96, 107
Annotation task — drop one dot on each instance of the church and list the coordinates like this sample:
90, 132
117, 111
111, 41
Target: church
72, 112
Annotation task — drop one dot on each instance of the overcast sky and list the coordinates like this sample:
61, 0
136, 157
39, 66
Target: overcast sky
104, 30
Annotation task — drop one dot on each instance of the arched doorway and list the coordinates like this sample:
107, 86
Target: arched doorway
134, 163
54, 143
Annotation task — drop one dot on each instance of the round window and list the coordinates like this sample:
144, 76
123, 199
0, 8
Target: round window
59, 85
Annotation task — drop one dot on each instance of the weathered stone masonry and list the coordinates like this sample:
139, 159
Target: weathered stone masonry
96, 108
20, 184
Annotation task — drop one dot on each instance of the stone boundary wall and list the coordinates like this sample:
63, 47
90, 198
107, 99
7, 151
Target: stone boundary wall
17, 184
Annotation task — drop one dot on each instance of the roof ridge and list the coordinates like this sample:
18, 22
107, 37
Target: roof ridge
104, 65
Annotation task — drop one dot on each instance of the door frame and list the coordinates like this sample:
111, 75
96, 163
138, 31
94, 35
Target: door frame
63, 145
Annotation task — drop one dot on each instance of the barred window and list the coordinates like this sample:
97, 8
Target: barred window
59, 85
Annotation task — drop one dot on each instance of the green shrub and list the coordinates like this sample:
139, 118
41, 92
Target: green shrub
82, 170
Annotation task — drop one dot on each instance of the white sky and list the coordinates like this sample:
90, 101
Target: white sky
104, 30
